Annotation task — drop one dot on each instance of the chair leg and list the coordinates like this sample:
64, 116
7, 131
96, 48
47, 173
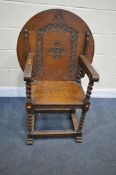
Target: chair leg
78, 136
29, 128
85, 108
29, 140
81, 123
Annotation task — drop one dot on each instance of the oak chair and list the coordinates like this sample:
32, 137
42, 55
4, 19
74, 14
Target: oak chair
55, 49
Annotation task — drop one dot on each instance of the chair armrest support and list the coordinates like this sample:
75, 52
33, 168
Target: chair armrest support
88, 69
28, 67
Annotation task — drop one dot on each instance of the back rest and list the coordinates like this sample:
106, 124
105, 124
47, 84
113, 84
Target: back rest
57, 37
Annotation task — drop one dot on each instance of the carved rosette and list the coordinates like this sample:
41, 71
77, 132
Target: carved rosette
57, 51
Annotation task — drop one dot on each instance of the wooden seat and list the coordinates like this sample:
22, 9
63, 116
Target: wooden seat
57, 93
55, 50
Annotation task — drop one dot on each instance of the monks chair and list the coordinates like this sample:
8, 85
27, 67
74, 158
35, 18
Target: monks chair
55, 49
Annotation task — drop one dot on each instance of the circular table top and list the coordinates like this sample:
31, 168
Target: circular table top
54, 16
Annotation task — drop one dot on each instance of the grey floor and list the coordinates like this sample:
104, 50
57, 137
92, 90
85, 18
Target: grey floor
95, 156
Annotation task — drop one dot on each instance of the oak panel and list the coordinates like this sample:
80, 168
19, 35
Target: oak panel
57, 93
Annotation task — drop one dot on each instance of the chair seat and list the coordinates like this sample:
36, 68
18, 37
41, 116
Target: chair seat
57, 93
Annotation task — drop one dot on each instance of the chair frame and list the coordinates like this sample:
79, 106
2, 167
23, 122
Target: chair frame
79, 60
84, 68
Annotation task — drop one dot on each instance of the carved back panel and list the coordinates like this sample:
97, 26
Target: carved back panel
57, 37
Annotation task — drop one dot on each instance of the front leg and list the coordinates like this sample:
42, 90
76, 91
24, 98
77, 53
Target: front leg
29, 113
85, 108
29, 129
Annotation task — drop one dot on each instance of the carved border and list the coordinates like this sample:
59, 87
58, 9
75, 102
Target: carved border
54, 27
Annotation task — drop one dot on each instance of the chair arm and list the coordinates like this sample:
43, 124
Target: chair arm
28, 67
88, 69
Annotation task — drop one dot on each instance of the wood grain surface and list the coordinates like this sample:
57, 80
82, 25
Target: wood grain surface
57, 38
57, 93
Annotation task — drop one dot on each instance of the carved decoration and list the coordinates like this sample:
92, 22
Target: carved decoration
59, 18
57, 27
26, 42
88, 35
57, 50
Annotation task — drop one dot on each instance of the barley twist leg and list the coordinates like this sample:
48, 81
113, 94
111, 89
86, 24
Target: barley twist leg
85, 108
